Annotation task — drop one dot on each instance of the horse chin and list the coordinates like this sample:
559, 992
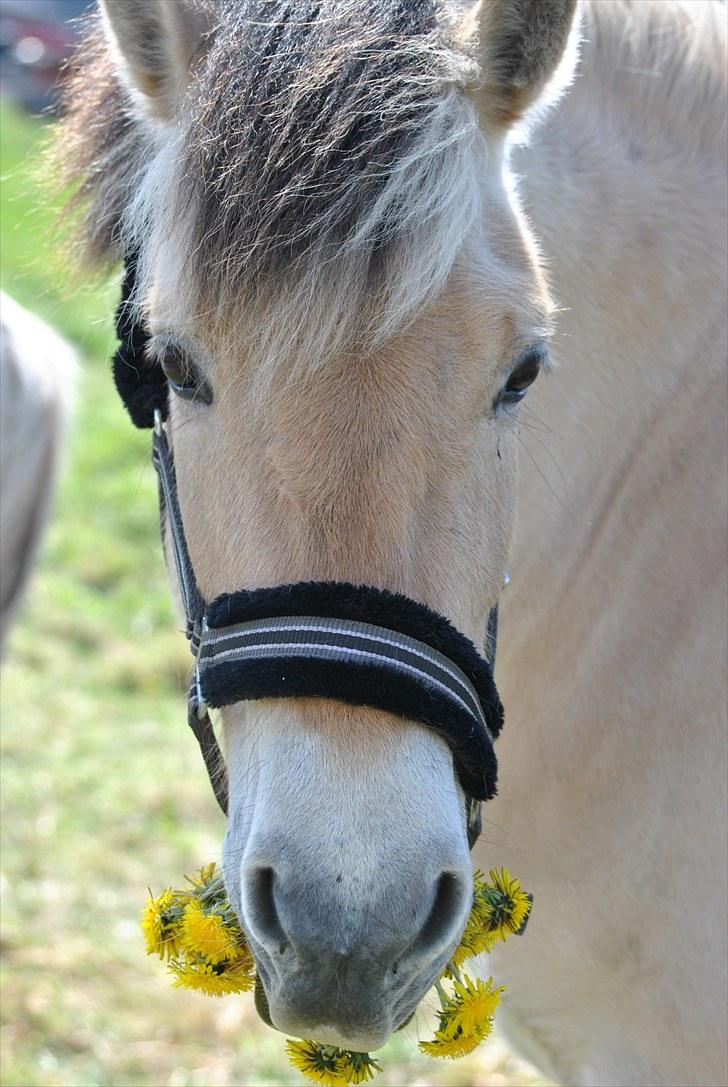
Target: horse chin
326, 1033
367, 1035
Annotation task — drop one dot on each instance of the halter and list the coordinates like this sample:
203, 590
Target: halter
357, 644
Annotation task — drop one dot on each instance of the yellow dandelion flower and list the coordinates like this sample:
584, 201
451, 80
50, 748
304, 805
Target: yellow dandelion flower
204, 876
471, 1008
475, 939
161, 924
324, 1064
503, 904
466, 1017
219, 979
500, 909
479, 885
452, 1048
209, 935
359, 1067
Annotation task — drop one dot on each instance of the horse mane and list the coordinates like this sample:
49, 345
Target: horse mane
324, 167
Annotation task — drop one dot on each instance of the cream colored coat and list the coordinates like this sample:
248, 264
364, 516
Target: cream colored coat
613, 640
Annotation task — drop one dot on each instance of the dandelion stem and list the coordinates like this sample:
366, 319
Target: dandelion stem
456, 973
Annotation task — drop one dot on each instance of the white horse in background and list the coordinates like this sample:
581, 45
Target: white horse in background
37, 375
323, 200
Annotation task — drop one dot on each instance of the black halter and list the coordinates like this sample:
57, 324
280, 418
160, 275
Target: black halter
357, 644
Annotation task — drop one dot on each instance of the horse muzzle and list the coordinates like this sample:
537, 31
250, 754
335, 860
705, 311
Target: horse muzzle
346, 966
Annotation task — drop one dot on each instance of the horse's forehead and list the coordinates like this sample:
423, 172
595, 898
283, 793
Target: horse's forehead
494, 299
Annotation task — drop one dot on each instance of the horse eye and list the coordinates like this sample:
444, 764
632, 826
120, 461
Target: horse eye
183, 376
521, 378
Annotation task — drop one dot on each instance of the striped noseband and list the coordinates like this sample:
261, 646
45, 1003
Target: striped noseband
357, 644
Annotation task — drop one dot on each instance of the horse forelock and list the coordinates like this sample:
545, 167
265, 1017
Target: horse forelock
303, 120
324, 171
324, 174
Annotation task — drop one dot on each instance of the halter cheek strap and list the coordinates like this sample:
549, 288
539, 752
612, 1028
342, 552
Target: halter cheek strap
357, 644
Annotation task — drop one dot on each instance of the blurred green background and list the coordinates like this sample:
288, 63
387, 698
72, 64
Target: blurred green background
104, 792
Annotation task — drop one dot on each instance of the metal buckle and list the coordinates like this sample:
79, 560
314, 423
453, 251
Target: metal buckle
200, 704
197, 705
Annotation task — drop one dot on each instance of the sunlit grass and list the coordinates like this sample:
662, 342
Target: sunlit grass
104, 791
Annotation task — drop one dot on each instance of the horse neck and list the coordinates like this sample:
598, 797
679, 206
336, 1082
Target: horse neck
626, 190
625, 183
629, 206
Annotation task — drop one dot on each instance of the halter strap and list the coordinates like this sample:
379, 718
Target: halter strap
192, 601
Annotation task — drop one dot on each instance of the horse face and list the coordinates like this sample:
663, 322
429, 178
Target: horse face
346, 855
347, 368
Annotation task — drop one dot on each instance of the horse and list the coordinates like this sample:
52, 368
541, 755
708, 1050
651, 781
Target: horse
337, 213
37, 372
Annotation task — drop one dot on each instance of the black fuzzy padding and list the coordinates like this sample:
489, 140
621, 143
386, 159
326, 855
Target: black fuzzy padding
365, 604
366, 684
363, 684
141, 383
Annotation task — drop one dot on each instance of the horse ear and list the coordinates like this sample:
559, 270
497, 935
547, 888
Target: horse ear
155, 43
521, 44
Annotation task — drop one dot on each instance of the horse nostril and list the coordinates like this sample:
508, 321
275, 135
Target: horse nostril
260, 909
292, 923
444, 919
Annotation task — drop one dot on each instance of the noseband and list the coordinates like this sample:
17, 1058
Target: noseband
357, 644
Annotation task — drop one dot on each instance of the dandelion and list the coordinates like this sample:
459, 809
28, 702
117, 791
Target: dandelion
209, 935
466, 1017
214, 979
503, 904
500, 909
329, 1065
359, 1067
475, 940
204, 877
458, 1046
197, 929
161, 924
324, 1064
472, 1006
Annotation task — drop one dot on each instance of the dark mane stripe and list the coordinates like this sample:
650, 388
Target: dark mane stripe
302, 113
320, 102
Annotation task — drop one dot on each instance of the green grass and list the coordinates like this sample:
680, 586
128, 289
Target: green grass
104, 791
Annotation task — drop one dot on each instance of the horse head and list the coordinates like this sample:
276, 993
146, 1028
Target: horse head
345, 299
